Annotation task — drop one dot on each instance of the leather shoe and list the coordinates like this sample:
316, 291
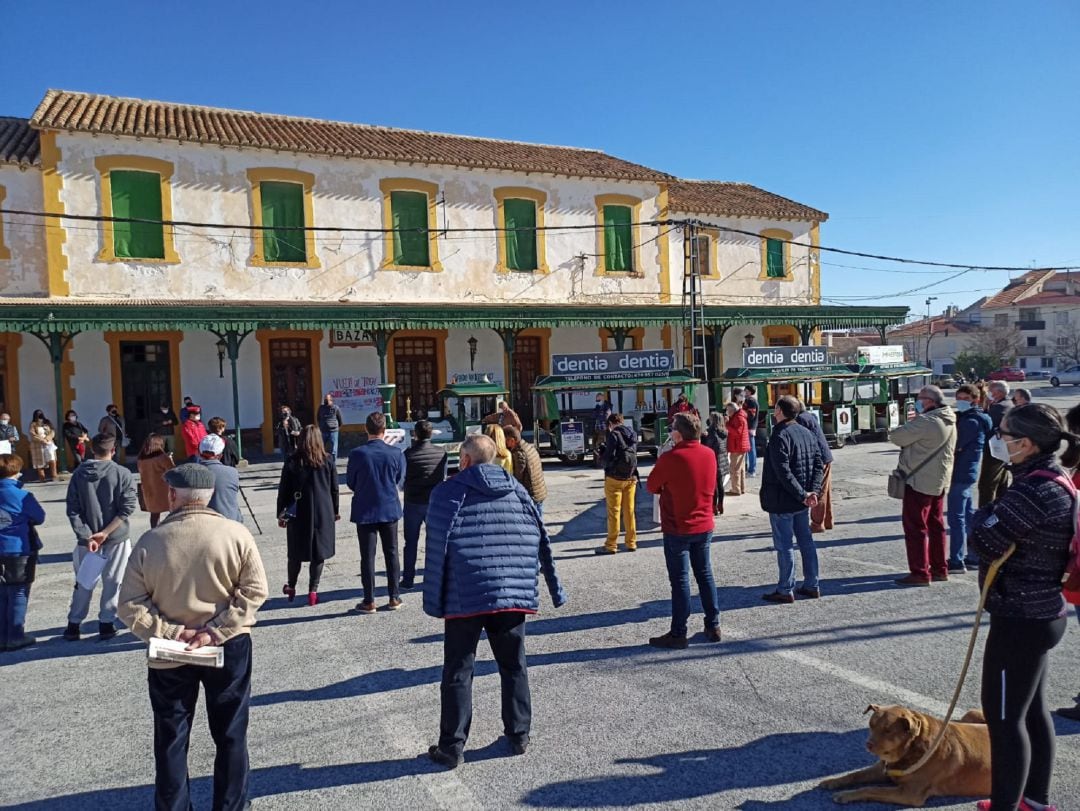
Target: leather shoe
447, 759
813, 594
712, 634
778, 597
911, 580
1072, 713
669, 641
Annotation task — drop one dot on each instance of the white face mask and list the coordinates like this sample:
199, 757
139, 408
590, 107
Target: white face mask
4, 422
999, 448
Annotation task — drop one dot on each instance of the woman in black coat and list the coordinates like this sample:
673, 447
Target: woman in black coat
77, 438
309, 492
716, 441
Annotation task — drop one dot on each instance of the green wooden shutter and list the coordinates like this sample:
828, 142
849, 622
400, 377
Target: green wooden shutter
774, 256
618, 238
137, 195
521, 244
409, 214
282, 213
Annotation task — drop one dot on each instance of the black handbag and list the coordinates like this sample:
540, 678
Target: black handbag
289, 513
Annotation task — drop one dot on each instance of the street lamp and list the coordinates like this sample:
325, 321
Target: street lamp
221, 347
929, 329
748, 339
472, 353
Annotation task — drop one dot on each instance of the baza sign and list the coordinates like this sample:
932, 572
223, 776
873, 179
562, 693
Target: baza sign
636, 362
784, 357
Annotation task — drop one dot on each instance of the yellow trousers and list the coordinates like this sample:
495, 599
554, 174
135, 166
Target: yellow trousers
619, 496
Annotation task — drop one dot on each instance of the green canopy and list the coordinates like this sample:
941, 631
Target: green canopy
474, 390
558, 383
831, 372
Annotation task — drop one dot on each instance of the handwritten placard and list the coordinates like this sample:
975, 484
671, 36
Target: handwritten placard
355, 396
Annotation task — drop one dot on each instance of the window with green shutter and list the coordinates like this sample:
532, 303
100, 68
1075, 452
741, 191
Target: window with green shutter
774, 258
520, 218
137, 195
618, 239
409, 215
282, 216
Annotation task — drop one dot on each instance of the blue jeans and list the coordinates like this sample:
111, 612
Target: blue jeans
751, 458
13, 599
414, 517
787, 530
330, 440
960, 509
682, 553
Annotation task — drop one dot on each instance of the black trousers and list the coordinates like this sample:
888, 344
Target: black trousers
315, 570
1013, 699
369, 535
506, 635
173, 695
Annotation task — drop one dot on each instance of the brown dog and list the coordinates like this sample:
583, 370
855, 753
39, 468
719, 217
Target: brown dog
959, 767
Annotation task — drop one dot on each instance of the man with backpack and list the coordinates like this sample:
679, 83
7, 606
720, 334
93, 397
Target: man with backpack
620, 484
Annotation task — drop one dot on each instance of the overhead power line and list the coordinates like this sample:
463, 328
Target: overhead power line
495, 229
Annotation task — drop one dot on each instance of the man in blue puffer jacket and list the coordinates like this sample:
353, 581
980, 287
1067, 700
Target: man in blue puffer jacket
485, 538
973, 429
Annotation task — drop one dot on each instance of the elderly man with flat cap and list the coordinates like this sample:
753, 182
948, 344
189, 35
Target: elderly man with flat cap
197, 578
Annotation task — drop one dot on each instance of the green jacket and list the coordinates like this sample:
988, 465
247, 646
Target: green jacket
921, 439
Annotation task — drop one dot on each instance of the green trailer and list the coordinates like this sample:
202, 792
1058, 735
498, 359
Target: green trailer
850, 400
462, 406
565, 430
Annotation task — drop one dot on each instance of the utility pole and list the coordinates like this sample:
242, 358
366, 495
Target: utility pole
929, 329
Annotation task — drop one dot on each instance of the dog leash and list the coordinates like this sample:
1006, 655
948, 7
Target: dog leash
991, 574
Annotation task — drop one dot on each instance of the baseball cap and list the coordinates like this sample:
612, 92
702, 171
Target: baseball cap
212, 443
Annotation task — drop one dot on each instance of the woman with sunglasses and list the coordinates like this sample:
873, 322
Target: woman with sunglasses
1027, 611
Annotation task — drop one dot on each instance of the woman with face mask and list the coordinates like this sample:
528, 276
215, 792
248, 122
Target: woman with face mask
1027, 611
42, 446
77, 438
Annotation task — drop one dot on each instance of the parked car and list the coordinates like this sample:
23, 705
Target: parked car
1070, 375
1038, 374
947, 381
1010, 373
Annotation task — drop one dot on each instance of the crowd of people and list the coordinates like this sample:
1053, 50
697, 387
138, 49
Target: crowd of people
197, 575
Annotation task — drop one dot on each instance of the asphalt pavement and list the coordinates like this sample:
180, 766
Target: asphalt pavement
343, 705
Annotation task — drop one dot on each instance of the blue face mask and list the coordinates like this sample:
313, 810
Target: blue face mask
963, 405
919, 407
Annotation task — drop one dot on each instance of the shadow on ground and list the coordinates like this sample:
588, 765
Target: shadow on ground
768, 762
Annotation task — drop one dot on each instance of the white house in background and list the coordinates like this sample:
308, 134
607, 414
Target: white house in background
938, 341
1044, 306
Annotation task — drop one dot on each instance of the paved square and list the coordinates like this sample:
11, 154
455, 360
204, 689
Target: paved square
343, 704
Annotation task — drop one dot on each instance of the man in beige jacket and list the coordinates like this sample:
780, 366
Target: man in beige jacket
926, 456
197, 578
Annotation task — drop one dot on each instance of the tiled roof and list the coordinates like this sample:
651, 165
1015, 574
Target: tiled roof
736, 199
84, 112
1018, 287
18, 143
938, 324
1052, 297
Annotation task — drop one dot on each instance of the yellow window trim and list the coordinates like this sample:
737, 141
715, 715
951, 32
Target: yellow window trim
304, 179
663, 246
504, 193
635, 216
635, 334
52, 184
5, 251
714, 252
778, 332
264, 337
439, 335
392, 184
105, 165
776, 233
114, 339
815, 261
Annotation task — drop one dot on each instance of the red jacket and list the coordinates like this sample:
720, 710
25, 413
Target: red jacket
685, 479
193, 431
738, 435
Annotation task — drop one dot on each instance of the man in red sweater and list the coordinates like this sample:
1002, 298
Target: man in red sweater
685, 479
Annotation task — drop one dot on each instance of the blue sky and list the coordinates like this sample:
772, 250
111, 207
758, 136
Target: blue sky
928, 129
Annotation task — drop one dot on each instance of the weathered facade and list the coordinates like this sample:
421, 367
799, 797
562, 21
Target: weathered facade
182, 243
